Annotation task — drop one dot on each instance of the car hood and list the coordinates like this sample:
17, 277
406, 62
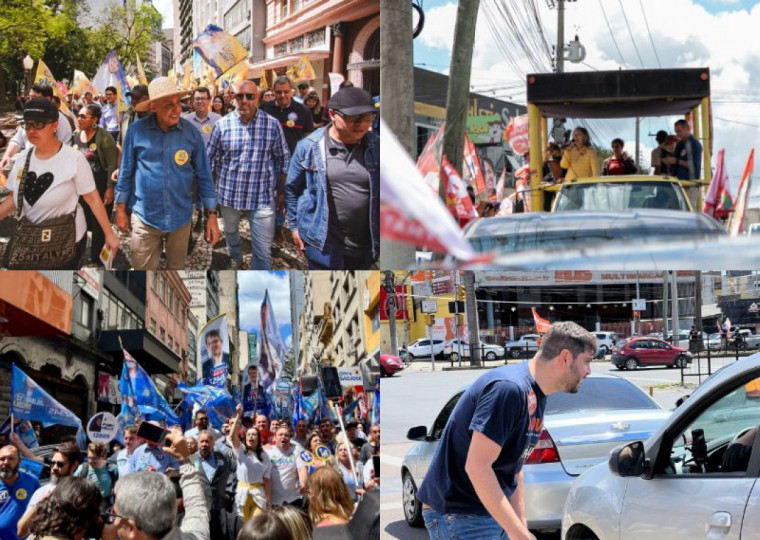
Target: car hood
585, 438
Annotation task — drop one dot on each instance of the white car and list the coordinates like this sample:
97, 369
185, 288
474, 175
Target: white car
422, 349
524, 346
488, 351
606, 340
677, 485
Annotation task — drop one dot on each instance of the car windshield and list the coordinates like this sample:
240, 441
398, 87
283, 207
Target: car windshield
621, 196
598, 395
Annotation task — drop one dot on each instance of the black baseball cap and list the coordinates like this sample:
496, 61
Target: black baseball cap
352, 101
138, 91
40, 110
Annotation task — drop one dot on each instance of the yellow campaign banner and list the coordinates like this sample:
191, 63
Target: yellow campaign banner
45, 76
274, 77
237, 74
82, 84
302, 71
221, 50
186, 82
141, 72
263, 81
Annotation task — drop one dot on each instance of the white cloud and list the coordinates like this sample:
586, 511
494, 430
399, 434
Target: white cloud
685, 34
251, 287
166, 9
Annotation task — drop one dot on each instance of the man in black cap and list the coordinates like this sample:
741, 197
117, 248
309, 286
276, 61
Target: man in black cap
332, 193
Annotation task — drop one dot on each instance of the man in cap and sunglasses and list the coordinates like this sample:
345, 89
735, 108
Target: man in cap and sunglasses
332, 192
162, 155
249, 156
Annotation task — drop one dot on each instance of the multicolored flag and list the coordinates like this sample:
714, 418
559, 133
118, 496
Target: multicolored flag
45, 76
81, 84
742, 197
719, 202
30, 402
238, 73
272, 350
542, 325
302, 71
140, 398
111, 73
219, 49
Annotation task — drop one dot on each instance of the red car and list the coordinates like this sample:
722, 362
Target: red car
649, 351
389, 365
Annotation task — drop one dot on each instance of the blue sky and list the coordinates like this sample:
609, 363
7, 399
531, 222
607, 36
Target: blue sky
251, 287
719, 34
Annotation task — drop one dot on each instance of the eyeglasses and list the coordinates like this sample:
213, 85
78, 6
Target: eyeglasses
359, 119
201, 99
109, 517
26, 124
249, 97
283, 92
59, 464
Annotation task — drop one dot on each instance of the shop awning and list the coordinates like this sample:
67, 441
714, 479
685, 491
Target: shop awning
150, 353
31, 304
285, 61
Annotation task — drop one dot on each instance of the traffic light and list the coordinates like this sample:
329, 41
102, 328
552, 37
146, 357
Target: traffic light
460, 292
431, 320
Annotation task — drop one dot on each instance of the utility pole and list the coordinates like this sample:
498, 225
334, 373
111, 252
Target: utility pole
397, 89
459, 86
638, 295
638, 161
559, 61
389, 284
471, 307
665, 285
674, 301
698, 303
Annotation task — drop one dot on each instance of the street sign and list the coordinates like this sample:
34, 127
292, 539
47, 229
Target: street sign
638, 304
453, 306
429, 306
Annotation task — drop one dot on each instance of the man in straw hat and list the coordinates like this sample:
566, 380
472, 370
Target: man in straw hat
162, 153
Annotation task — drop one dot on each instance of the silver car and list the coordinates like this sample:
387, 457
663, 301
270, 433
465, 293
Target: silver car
677, 484
579, 432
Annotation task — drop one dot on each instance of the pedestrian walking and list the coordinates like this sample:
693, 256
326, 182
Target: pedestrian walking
474, 485
162, 155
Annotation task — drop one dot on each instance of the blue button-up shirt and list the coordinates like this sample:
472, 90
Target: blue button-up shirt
109, 117
157, 171
146, 456
209, 465
248, 159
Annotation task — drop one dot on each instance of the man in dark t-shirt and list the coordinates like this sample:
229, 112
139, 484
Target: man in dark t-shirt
295, 118
474, 485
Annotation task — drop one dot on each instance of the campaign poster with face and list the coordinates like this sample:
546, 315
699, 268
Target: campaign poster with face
214, 351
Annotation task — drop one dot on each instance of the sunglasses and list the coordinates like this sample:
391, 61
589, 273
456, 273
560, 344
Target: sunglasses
359, 119
34, 124
249, 97
59, 464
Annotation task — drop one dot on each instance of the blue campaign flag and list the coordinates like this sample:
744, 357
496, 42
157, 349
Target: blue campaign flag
376, 408
217, 402
140, 399
31, 466
272, 349
111, 73
24, 430
30, 402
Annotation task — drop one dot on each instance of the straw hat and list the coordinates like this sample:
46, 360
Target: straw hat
159, 88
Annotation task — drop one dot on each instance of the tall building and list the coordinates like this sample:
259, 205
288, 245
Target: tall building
315, 324
183, 32
204, 303
297, 292
228, 303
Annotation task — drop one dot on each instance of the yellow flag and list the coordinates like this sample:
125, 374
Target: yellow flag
236, 74
263, 81
45, 76
186, 83
82, 84
302, 71
274, 77
173, 76
141, 72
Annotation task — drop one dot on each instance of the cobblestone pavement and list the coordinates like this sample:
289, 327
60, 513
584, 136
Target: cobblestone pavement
202, 256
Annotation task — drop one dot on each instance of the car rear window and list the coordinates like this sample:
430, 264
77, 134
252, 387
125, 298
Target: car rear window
599, 394
621, 196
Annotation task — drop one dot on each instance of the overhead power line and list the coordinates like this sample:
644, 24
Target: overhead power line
641, 3
625, 18
612, 34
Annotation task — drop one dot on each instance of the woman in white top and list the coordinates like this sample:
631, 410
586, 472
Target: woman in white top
57, 176
344, 468
254, 492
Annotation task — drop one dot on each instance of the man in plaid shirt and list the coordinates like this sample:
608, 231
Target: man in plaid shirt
250, 158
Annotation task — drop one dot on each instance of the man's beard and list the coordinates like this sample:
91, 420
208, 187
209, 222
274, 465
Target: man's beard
206, 454
6, 473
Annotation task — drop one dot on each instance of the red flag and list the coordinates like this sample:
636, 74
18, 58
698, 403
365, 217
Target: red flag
742, 197
457, 199
719, 202
522, 186
517, 134
542, 325
473, 172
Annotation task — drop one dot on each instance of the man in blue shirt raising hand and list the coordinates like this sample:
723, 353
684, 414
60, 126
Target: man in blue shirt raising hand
474, 486
162, 154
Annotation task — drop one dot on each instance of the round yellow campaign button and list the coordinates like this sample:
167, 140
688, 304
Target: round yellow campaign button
181, 157
290, 123
93, 147
21, 494
206, 128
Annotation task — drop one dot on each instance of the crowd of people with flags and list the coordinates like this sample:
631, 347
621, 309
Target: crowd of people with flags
236, 149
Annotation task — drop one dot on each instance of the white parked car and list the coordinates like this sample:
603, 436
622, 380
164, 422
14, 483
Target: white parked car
525, 346
606, 340
676, 484
489, 351
421, 349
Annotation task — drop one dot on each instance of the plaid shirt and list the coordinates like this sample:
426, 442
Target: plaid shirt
248, 160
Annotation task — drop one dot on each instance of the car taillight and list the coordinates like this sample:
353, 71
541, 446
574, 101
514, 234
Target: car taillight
544, 452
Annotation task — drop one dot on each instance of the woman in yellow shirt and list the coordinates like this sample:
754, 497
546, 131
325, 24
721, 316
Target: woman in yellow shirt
580, 159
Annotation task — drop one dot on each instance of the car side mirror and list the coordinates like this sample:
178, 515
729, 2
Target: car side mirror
418, 433
628, 460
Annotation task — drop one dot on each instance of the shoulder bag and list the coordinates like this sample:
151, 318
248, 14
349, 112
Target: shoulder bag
48, 245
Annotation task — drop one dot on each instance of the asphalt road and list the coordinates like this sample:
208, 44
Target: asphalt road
415, 396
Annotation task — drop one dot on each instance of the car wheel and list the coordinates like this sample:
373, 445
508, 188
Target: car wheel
681, 362
455, 357
383, 373
412, 505
490, 355
606, 350
631, 363
515, 353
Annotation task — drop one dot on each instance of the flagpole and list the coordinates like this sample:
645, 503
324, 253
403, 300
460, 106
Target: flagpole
13, 368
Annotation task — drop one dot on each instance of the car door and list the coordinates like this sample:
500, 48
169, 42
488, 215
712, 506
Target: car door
659, 352
642, 351
421, 348
686, 500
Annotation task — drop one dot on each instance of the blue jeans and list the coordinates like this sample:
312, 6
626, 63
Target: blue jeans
333, 257
461, 526
261, 221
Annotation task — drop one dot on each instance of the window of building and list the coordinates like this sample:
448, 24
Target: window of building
85, 317
171, 342
170, 305
153, 326
284, 8
162, 335
153, 280
161, 288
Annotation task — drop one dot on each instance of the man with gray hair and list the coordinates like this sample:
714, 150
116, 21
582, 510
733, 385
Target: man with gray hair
146, 502
475, 480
